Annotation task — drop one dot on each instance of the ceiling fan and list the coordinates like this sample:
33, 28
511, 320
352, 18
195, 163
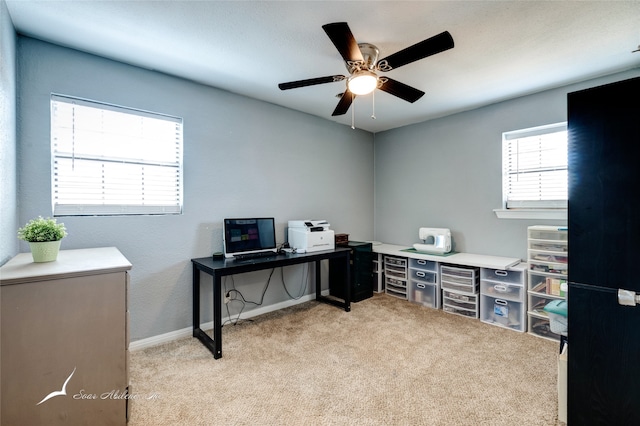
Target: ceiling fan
361, 60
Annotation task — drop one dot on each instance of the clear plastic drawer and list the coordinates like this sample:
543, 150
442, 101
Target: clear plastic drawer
545, 284
459, 303
447, 283
396, 261
424, 294
547, 233
469, 313
537, 302
503, 276
506, 291
548, 257
548, 268
458, 280
502, 312
394, 282
541, 327
424, 276
460, 300
427, 265
395, 271
464, 273
549, 246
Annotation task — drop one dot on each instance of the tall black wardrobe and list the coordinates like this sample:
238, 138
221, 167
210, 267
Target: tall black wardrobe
604, 242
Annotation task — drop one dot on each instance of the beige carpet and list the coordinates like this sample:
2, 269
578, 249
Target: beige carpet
387, 362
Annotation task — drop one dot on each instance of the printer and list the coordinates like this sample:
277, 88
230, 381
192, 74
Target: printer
310, 235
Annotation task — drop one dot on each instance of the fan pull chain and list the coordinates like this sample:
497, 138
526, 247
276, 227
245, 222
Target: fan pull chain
353, 109
373, 101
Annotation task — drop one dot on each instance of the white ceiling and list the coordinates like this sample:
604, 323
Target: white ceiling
503, 49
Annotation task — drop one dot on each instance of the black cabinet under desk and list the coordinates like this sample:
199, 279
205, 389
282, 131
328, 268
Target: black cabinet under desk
361, 272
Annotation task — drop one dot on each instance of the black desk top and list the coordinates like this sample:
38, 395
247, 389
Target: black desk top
232, 266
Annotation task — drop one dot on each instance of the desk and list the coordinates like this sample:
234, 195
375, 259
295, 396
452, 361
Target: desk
219, 268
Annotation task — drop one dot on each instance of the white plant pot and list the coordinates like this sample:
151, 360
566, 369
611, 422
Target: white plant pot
45, 251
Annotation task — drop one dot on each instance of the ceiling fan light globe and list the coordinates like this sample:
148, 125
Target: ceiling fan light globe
362, 82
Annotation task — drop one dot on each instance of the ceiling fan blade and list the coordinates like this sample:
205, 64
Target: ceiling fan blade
401, 90
431, 46
344, 103
343, 40
310, 82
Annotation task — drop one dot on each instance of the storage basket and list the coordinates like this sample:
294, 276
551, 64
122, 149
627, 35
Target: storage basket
557, 311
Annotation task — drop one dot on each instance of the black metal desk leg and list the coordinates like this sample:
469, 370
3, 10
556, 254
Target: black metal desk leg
196, 299
217, 315
318, 281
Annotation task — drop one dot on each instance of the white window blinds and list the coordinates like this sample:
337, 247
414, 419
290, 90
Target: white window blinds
535, 167
111, 160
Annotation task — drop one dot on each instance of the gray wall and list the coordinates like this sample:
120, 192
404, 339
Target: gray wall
245, 157
242, 157
8, 200
447, 173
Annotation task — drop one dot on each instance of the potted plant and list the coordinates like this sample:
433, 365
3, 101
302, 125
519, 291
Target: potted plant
44, 237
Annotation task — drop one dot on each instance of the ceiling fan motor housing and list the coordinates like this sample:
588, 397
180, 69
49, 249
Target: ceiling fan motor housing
370, 54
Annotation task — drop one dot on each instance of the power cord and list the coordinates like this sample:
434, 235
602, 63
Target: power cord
303, 284
239, 297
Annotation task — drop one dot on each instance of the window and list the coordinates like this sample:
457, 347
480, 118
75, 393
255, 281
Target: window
111, 160
535, 167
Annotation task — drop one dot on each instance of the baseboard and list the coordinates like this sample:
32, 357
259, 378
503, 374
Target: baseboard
187, 332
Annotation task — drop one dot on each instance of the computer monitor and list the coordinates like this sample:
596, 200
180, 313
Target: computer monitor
248, 235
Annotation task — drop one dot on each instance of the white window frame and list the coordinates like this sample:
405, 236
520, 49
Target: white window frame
102, 165
529, 209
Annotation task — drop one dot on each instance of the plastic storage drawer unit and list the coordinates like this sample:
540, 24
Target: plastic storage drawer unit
463, 280
460, 303
503, 297
424, 285
548, 257
395, 271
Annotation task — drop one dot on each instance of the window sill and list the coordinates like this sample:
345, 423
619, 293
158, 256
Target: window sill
549, 214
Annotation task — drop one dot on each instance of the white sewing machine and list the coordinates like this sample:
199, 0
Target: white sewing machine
434, 240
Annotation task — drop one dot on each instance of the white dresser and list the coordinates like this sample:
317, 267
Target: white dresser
65, 329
